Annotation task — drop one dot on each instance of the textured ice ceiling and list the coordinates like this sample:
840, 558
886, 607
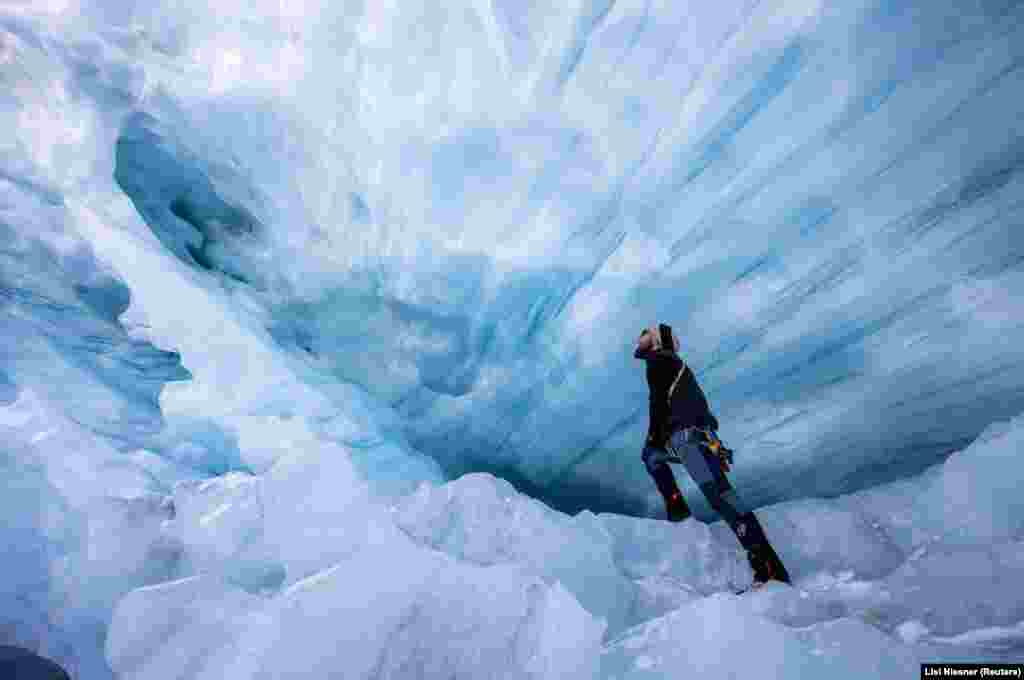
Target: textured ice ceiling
470, 209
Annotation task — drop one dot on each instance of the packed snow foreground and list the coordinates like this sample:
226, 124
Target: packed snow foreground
300, 573
184, 495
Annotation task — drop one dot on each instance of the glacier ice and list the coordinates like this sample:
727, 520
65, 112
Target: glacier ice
455, 568
482, 520
823, 202
385, 612
297, 299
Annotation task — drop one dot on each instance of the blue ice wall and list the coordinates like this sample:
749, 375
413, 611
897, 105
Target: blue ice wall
59, 309
471, 211
824, 201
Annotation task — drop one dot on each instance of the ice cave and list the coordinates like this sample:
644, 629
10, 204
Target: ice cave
317, 324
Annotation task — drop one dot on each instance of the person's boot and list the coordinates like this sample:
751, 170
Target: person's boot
775, 566
766, 565
676, 507
763, 559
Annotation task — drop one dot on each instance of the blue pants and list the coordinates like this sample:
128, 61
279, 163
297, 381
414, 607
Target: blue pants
686, 446
704, 468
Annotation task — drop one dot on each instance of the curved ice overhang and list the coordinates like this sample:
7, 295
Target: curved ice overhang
829, 214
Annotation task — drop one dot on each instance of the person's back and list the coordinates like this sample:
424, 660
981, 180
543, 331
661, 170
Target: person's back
676, 399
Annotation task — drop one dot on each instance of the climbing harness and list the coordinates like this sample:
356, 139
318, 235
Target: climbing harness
710, 441
707, 438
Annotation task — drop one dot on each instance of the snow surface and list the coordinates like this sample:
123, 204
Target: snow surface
275, 276
472, 579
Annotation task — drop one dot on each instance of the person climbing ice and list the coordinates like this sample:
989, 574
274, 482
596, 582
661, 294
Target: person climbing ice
682, 429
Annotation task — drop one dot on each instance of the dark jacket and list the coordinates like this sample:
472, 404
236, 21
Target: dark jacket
689, 406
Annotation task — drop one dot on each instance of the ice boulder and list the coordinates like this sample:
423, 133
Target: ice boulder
484, 520
816, 535
317, 509
724, 637
932, 589
854, 649
793, 606
688, 554
394, 610
972, 498
714, 636
220, 523
413, 613
175, 629
977, 498
124, 546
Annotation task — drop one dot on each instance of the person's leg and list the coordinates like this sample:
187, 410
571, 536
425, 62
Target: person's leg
655, 461
707, 473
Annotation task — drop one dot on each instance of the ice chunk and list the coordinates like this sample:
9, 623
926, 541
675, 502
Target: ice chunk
976, 498
896, 509
687, 553
159, 631
970, 499
564, 640
854, 649
163, 472
393, 610
931, 589
484, 520
218, 517
84, 527
125, 546
659, 594
715, 632
723, 633
401, 613
220, 523
317, 510
792, 606
816, 535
